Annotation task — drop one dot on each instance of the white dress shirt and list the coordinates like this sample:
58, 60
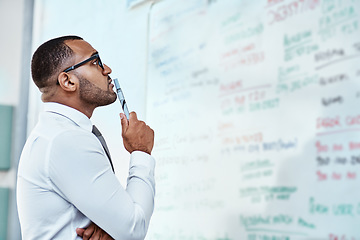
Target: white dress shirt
65, 181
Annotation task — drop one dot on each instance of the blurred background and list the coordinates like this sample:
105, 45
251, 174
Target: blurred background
109, 27
255, 107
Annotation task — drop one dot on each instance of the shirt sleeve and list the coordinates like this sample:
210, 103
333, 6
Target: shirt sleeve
80, 172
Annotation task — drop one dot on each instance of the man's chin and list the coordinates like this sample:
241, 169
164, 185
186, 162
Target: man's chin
113, 99
105, 103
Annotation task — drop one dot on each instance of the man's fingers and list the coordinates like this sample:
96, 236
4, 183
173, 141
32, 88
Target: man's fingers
96, 235
107, 237
93, 232
133, 116
80, 231
137, 136
89, 232
124, 123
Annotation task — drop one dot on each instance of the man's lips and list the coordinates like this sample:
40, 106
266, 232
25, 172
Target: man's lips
111, 85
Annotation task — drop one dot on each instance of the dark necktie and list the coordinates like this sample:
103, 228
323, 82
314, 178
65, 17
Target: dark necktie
97, 133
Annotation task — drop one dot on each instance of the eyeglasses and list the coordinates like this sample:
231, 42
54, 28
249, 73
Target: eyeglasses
95, 56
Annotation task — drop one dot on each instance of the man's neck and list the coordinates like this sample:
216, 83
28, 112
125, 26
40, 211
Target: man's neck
85, 109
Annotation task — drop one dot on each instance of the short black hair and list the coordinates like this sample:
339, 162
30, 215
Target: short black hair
49, 58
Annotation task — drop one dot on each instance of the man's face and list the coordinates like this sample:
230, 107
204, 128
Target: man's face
95, 87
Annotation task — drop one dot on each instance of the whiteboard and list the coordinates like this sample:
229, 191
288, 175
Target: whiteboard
256, 112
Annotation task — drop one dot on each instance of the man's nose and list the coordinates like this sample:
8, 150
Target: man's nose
107, 70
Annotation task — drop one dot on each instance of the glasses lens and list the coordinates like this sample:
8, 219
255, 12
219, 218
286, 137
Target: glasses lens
100, 63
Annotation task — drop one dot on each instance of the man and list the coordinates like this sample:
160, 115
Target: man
66, 185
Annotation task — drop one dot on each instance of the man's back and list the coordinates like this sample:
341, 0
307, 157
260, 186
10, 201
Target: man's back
51, 208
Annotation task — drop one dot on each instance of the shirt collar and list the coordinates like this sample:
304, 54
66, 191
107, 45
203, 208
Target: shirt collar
74, 115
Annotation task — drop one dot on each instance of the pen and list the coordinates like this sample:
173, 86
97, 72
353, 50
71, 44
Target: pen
121, 98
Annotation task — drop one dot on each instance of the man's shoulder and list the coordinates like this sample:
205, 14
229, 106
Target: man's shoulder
53, 125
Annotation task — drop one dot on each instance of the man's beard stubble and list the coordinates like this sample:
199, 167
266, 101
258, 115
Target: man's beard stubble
92, 94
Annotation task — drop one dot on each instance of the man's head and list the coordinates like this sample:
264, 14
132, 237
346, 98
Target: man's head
48, 60
68, 70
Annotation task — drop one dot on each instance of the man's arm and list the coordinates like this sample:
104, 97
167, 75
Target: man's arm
93, 231
90, 185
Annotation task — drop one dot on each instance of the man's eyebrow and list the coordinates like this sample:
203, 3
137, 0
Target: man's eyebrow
96, 52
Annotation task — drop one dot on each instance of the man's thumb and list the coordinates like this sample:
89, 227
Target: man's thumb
124, 123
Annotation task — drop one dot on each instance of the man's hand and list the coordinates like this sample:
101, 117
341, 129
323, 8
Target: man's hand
137, 136
93, 232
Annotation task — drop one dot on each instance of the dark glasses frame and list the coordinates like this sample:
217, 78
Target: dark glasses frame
96, 55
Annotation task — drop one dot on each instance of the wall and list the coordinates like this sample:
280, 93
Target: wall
10, 63
15, 19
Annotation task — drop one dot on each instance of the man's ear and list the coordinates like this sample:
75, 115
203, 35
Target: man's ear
68, 82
